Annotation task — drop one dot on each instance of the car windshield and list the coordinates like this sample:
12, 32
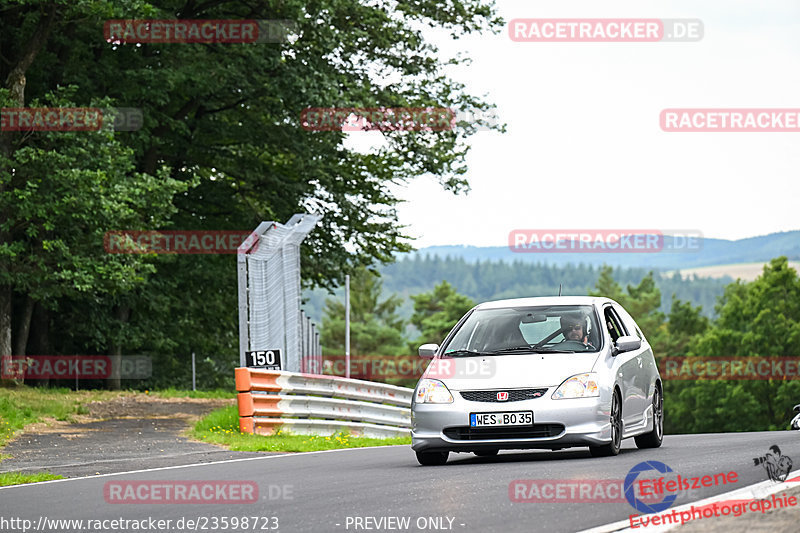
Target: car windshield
541, 329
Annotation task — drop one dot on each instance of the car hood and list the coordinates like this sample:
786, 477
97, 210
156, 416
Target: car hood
509, 371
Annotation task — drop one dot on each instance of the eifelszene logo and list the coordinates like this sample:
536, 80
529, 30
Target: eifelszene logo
635, 502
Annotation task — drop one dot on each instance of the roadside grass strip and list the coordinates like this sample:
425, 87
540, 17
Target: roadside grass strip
757, 499
222, 427
180, 393
21, 406
17, 478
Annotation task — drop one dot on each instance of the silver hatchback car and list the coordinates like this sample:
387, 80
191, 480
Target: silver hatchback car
550, 373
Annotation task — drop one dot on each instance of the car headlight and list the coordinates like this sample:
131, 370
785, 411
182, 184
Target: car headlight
580, 386
433, 391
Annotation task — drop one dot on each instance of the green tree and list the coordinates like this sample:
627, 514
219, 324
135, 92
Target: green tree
685, 324
436, 312
223, 143
641, 301
607, 287
760, 318
375, 328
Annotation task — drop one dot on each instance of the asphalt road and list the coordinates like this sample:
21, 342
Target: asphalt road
328, 491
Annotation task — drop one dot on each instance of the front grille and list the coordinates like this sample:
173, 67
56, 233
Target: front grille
514, 395
508, 432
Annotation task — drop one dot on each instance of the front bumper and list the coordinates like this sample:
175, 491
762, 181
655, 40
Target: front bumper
557, 424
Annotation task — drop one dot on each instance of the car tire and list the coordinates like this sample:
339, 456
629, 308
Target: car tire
432, 458
486, 453
652, 439
612, 448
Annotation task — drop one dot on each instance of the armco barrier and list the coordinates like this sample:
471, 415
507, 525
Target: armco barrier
307, 404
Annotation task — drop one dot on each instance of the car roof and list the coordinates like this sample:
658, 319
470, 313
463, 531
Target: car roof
545, 301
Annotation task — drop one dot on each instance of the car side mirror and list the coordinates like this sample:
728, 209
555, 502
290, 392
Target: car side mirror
427, 351
627, 343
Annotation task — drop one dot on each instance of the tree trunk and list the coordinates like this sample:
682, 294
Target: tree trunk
24, 327
15, 83
39, 338
122, 313
5, 327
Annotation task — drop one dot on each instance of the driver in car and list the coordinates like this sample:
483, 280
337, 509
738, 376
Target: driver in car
573, 328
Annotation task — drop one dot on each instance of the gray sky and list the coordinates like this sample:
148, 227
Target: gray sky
584, 148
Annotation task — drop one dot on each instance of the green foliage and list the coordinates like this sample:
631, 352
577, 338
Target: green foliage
223, 393
18, 478
22, 406
760, 318
222, 148
641, 301
375, 328
685, 324
436, 312
497, 280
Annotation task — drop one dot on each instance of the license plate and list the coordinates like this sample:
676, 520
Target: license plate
510, 418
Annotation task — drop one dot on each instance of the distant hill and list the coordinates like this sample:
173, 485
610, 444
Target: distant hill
495, 280
711, 252
490, 273
743, 271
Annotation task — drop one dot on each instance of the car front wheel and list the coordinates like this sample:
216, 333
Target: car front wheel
653, 438
612, 448
432, 458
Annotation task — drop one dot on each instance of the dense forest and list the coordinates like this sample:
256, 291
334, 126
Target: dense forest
221, 147
493, 280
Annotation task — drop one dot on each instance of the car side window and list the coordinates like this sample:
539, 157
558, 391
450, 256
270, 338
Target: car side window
613, 324
630, 323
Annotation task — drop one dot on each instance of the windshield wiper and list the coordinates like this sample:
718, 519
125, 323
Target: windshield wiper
466, 353
515, 349
529, 349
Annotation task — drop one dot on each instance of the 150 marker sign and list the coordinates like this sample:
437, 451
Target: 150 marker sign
269, 359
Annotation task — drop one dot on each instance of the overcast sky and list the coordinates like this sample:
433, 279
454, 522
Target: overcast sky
584, 148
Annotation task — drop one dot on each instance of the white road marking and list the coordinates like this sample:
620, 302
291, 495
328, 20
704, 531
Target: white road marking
276, 456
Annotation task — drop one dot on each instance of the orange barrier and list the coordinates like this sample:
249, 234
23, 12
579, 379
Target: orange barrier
269, 400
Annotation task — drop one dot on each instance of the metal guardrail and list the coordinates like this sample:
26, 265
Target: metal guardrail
306, 404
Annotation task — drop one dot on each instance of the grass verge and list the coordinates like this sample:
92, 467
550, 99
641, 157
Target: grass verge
21, 406
179, 393
222, 427
17, 478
